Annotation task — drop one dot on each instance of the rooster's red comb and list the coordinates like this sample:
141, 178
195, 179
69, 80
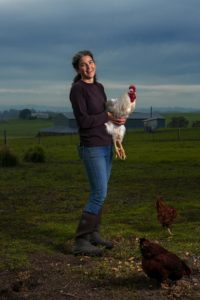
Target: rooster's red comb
132, 87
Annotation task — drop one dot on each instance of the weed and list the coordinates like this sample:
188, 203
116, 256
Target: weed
7, 157
35, 154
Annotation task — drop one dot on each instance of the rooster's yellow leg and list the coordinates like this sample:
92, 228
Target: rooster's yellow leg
117, 154
119, 150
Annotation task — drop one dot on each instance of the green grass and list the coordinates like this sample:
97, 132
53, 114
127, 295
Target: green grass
41, 203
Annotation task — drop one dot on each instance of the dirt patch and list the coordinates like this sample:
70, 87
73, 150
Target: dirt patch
64, 276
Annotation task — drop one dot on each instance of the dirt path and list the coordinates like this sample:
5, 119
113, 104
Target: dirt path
67, 277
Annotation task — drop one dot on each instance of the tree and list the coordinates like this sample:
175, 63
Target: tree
196, 124
25, 114
178, 122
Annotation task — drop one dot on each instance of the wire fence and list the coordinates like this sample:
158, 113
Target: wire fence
171, 134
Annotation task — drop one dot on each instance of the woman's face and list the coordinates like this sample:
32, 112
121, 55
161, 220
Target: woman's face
87, 69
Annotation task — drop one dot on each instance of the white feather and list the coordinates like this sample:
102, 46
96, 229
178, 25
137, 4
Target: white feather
120, 108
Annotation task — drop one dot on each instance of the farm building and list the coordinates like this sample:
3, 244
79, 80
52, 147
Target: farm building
137, 119
151, 124
66, 124
40, 115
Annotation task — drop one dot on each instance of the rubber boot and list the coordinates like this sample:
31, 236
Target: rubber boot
83, 245
95, 237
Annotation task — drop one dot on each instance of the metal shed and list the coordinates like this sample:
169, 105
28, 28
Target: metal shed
151, 124
137, 119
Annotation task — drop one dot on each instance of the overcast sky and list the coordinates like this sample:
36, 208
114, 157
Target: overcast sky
152, 43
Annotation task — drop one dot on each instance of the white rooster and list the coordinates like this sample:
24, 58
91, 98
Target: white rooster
120, 108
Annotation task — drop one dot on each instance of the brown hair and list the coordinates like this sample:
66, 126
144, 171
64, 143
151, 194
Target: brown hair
75, 62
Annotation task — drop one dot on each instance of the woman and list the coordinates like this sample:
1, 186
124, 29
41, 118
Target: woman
88, 101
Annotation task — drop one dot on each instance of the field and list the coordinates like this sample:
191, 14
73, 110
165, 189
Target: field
41, 204
22, 128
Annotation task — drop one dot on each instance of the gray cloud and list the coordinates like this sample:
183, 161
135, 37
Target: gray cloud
148, 42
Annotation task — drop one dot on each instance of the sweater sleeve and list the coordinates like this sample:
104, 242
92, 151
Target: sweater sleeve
79, 105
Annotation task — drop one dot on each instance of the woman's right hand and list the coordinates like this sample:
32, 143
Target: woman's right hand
116, 121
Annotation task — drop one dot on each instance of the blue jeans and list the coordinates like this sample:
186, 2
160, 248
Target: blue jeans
98, 164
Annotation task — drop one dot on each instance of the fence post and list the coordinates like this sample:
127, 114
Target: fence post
179, 133
39, 137
5, 137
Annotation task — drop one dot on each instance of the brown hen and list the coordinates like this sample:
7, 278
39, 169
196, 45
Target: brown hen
166, 214
160, 264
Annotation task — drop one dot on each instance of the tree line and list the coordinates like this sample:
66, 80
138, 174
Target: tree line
182, 122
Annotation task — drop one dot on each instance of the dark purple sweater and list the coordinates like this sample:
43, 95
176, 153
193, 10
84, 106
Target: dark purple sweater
88, 103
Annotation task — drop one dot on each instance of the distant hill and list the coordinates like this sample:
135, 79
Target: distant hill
35, 107
169, 109
65, 109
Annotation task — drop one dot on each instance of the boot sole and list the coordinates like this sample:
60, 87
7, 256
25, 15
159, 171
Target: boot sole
109, 247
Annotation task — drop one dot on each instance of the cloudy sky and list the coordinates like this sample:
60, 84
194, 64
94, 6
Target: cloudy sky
152, 43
